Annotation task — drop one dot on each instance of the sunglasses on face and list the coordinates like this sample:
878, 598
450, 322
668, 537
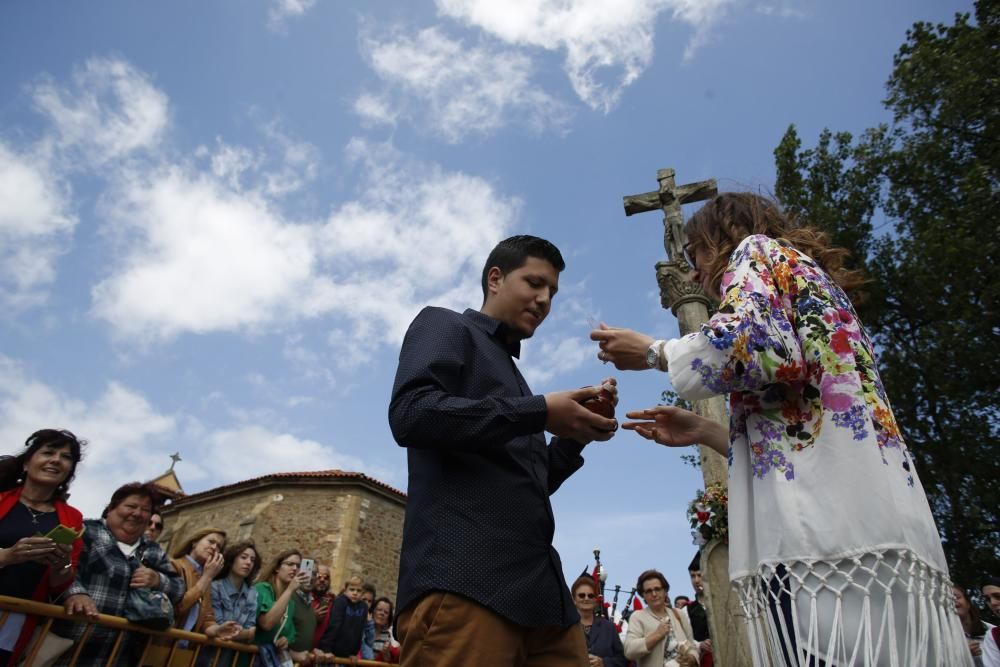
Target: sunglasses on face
585, 596
155, 524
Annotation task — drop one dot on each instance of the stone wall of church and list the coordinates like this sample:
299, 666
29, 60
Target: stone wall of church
349, 527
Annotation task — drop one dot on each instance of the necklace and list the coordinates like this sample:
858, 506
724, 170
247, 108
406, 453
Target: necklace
36, 513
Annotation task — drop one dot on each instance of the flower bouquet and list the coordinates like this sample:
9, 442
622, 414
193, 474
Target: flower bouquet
709, 515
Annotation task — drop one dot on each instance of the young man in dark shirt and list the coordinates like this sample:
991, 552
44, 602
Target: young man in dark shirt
480, 583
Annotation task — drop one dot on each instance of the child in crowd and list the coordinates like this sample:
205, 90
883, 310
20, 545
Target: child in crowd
343, 635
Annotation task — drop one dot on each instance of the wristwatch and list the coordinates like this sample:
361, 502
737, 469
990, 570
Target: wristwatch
655, 357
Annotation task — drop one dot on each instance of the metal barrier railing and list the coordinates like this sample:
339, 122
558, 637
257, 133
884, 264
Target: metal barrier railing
162, 653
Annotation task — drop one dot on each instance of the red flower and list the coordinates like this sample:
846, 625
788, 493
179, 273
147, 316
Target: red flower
789, 372
840, 342
702, 516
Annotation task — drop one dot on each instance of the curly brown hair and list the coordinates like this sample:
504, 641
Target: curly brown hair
721, 224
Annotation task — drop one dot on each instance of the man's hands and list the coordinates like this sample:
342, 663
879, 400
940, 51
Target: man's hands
676, 427
568, 419
625, 348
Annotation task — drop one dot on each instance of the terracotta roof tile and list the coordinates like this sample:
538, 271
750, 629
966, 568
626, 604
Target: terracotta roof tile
311, 474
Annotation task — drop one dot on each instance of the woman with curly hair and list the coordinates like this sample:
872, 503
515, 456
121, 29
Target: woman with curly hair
34, 485
234, 597
833, 548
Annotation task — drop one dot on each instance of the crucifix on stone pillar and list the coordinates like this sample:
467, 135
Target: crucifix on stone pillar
689, 303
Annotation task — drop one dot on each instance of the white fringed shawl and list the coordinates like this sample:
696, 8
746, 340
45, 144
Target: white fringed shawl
833, 548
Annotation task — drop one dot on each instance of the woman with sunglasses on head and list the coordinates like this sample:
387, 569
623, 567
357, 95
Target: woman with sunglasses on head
659, 636
276, 602
825, 573
604, 647
34, 486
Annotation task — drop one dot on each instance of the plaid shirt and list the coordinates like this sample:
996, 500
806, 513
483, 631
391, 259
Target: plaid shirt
104, 574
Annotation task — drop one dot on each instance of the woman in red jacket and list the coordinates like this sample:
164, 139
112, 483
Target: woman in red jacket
33, 490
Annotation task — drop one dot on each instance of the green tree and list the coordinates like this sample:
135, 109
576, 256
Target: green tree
933, 176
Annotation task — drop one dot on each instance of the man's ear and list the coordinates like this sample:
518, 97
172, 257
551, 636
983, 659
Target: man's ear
494, 278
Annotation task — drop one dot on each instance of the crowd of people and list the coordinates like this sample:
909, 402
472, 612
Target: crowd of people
114, 565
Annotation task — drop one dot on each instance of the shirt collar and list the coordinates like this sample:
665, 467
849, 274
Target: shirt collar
197, 566
495, 328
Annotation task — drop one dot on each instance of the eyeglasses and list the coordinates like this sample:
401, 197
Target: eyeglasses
652, 591
585, 596
689, 256
291, 563
155, 524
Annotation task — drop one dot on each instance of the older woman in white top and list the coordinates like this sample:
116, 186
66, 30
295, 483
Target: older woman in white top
659, 636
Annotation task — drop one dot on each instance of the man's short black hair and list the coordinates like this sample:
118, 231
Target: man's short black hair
511, 254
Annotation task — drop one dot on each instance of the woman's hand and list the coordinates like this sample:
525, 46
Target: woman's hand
60, 557
658, 634
145, 577
213, 566
281, 643
676, 427
227, 631
625, 348
594, 661
80, 605
34, 549
301, 579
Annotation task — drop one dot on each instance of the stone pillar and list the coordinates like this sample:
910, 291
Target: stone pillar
726, 621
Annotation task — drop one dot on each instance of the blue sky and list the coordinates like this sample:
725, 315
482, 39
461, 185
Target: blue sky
219, 217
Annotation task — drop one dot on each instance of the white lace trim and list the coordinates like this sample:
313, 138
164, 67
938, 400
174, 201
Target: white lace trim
886, 608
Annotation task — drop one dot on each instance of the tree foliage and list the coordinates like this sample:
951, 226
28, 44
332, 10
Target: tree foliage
916, 202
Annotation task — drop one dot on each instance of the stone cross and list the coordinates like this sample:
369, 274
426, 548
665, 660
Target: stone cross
689, 303
175, 458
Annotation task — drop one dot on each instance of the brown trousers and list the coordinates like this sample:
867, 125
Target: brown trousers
447, 630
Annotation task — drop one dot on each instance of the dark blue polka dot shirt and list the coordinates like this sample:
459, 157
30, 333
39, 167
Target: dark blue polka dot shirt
478, 518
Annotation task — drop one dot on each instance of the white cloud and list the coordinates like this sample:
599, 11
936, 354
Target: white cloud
210, 250
206, 244
375, 110
283, 10
608, 43
112, 110
200, 257
251, 451
458, 90
540, 363
35, 226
